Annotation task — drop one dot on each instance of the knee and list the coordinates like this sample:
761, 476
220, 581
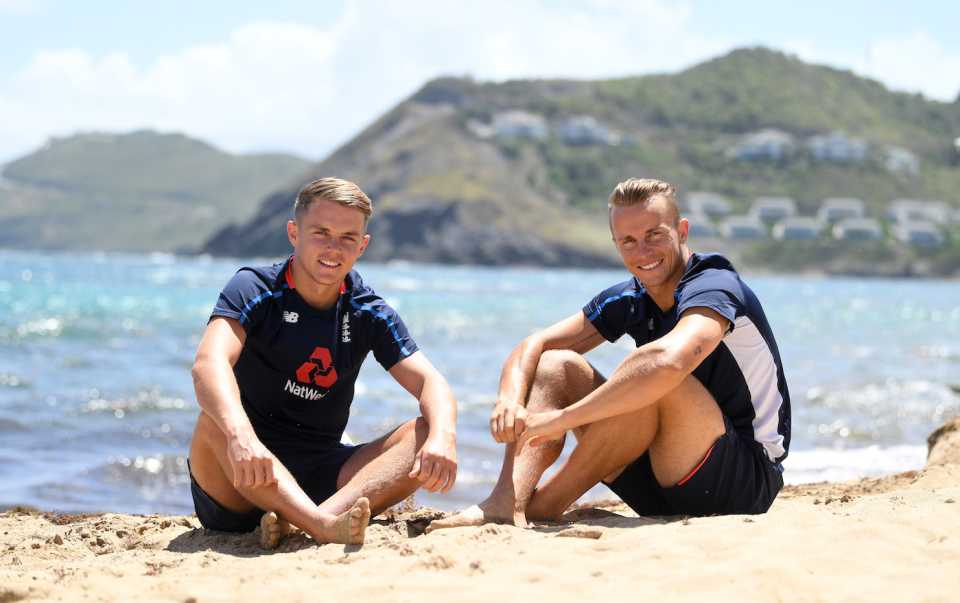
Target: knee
207, 430
557, 364
560, 376
415, 429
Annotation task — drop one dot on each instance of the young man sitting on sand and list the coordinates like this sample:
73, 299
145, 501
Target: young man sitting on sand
274, 377
695, 421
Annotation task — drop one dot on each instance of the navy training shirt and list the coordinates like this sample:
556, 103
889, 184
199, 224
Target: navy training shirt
744, 374
298, 367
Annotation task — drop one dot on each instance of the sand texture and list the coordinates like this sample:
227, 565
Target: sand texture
890, 539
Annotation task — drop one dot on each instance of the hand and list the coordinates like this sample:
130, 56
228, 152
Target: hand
541, 429
435, 464
507, 422
251, 462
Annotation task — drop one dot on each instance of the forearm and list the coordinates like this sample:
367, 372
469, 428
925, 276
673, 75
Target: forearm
518, 371
644, 377
219, 396
438, 406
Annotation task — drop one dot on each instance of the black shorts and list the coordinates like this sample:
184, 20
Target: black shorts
315, 472
735, 477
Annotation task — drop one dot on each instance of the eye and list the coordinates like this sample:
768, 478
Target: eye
628, 243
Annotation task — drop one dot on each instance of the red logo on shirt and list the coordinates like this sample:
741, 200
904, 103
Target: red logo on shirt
318, 370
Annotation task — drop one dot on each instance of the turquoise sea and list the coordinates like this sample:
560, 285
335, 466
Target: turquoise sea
97, 406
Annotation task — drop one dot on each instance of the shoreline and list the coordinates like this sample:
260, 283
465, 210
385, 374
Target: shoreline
864, 270
888, 538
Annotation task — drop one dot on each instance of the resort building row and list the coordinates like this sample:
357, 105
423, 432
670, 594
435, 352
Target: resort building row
915, 222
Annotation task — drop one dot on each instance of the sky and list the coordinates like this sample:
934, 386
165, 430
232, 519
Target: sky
305, 76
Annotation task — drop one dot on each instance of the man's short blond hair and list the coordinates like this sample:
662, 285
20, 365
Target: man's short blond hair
641, 190
337, 190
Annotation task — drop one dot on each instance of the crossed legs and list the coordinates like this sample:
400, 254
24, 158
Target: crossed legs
374, 478
677, 430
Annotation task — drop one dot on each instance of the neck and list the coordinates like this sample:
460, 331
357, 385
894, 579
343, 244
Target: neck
318, 295
662, 295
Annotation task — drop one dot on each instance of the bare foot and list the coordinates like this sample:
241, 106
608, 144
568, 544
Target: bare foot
350, 527
477, 515
272, 530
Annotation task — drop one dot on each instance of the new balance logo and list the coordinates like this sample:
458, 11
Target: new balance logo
345, 329
291, 317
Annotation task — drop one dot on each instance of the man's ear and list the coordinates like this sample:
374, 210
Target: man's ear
292, 232
683, 228
363, 244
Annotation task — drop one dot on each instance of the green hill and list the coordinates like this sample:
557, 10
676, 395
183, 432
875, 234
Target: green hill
448, 188
142, 191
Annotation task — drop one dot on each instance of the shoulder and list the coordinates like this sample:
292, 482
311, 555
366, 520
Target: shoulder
364, 300
622, 293
262, 278
709, 271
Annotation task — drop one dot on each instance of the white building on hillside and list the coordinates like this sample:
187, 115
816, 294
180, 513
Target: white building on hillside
520, 124
838, 147
857, 229
901, 160
835, 209
585, 130
919, 234
771, 209
743, 228
709, 204
769, 144
701, 226
919, 210
797, 229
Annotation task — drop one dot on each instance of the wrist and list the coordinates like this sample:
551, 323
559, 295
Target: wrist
443, 433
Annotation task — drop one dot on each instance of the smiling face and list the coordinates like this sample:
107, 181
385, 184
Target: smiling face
652, 244
327, 239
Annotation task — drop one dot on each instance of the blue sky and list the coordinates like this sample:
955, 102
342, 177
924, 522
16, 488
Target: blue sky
304, 76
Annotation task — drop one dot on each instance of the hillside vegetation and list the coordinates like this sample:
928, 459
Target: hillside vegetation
448, 188
142, 191
487, 173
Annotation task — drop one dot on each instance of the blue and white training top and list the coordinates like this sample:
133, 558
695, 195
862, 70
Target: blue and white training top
298, 367
744, 374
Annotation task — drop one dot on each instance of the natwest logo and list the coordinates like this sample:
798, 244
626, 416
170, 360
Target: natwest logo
318, 370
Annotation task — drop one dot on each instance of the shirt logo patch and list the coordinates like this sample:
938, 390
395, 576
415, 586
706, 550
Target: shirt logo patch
318, 370
345, 329
291, 317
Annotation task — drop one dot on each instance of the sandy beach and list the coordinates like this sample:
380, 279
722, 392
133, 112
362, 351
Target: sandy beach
895, 538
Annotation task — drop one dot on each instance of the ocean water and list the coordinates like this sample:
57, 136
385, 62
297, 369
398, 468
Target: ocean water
97, 405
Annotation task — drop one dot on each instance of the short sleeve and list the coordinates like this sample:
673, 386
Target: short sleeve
718, 290
241, 298
391, 340
612, 310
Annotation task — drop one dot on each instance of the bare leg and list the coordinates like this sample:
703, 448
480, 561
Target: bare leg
211, 469
677, 430
562, 378
379, 470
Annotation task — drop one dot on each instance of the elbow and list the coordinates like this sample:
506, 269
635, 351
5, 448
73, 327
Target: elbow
666, 359
199, 370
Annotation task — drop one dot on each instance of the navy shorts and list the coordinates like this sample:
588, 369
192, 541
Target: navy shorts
735, 477
315, 472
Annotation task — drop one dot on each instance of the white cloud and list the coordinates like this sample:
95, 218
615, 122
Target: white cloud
916, 63
306, 88
912, 63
